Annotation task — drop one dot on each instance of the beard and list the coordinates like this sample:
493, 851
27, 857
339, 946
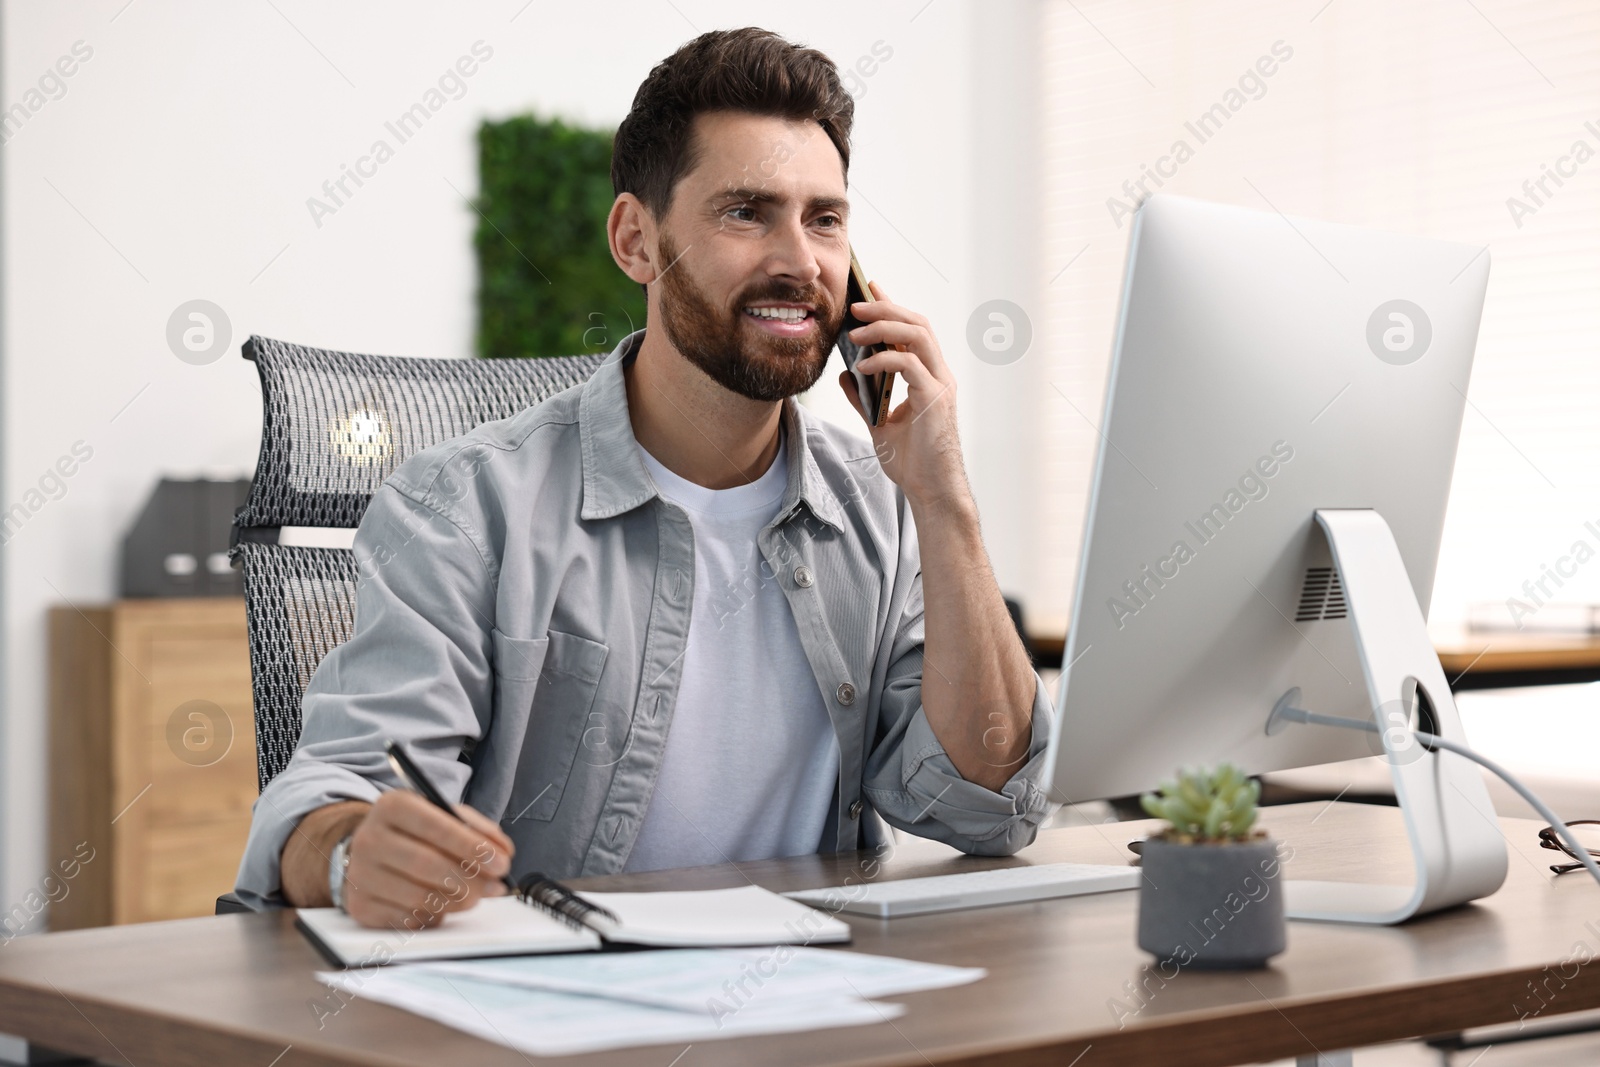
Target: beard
742, 358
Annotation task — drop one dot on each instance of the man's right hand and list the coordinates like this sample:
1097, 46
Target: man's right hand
410, 863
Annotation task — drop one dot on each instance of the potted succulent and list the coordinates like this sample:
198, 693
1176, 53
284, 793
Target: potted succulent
1212, 895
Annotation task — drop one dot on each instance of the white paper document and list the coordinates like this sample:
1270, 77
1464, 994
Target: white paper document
541, 1023
717, 981
564, 1005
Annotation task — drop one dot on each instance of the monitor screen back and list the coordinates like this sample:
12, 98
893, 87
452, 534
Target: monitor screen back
1263, 368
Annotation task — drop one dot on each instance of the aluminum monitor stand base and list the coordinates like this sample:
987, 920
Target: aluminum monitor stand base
1456, 845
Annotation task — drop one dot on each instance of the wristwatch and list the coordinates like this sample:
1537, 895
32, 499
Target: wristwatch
338, 864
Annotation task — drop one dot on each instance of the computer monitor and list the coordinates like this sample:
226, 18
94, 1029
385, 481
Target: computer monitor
1275, 457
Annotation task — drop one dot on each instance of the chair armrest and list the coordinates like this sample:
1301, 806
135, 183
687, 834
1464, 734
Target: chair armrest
228, 904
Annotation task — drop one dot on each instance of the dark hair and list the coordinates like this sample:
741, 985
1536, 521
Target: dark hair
751, 70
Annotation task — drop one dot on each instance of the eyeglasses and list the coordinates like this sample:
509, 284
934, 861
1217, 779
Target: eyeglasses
1588, 836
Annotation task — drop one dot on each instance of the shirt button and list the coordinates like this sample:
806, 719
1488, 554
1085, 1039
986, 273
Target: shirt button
802, 576
846, 693
855, 810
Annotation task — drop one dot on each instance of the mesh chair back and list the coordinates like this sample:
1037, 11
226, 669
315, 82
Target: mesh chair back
335, 425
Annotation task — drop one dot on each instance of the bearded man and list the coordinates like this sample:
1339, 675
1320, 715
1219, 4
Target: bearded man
669, 617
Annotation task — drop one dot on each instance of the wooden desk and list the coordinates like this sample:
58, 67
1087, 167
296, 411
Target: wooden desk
1500, 660
1470, 660
239, 988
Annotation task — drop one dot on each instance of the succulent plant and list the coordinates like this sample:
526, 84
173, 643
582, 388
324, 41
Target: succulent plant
1206, 807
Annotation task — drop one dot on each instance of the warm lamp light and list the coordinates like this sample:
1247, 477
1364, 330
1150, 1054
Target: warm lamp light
362, 437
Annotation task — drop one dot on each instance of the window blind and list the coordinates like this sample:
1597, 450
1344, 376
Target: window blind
1468, 120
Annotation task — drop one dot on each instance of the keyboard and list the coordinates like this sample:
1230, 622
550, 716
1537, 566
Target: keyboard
970, 889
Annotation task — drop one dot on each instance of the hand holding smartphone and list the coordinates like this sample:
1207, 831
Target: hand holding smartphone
874, 389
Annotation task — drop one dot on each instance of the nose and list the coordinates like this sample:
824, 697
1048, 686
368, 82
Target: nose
790, 255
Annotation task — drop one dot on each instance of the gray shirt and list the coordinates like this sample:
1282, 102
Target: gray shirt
522, 614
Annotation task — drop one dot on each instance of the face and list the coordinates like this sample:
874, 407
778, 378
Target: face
755, 253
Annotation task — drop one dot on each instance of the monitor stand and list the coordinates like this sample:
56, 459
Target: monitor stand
1456, 844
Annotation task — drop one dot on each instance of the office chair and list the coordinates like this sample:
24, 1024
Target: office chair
334, 426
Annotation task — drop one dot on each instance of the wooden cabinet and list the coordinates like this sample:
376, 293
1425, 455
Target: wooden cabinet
152, 757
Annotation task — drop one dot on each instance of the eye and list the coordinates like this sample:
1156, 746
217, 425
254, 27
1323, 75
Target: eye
743, 207
834, 220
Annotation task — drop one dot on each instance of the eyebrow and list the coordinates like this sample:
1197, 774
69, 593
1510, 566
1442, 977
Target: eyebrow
766, 196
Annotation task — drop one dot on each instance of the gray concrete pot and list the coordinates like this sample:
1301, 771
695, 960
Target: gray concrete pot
1211, 906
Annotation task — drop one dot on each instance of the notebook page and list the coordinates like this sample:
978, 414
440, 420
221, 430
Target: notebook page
748, 915
496, 926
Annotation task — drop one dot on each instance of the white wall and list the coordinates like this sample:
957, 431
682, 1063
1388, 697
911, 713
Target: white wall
178, 163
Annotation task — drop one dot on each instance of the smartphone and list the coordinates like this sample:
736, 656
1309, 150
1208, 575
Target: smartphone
874, 389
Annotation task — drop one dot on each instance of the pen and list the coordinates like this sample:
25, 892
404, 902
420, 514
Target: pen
411, 776
536, 889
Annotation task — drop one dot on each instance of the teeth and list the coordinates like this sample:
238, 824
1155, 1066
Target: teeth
784, 314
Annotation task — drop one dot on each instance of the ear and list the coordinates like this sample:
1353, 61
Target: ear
632, 235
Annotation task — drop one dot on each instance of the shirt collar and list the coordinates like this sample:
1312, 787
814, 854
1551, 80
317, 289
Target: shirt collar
614, 477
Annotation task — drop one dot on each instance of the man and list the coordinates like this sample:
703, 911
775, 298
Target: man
668, 617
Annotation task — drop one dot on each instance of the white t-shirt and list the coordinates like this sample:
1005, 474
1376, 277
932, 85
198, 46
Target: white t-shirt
751, 759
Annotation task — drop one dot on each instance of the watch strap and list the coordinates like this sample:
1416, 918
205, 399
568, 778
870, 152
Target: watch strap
338, 864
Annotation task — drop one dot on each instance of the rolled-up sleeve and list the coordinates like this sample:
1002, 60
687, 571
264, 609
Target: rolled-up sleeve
913, 783
417, 668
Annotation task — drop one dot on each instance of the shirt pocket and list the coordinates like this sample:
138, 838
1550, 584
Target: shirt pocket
550, 682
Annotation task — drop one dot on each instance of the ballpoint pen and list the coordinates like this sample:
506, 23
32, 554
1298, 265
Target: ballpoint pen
535, 888
411, 777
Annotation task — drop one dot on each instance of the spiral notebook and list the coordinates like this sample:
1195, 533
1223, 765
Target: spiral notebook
513, 926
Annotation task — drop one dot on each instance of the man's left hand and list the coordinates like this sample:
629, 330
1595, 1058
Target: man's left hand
918, 444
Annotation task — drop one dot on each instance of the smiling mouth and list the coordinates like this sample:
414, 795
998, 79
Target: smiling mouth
790, 316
